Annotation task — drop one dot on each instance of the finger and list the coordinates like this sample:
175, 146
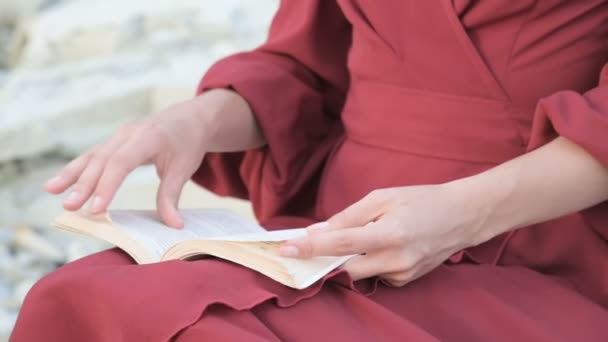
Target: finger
368, 209
399, 279
364, 266
84, 187
89, 177
348, 241
402, 278
68, 175
122, 162
169, 191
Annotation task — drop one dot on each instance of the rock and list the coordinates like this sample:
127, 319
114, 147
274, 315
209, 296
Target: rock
112, 66
36, 207
96, 28
71, 72
25, 260
9, 171
7, 236
85, 103
5, 37
10, 271
36, 244
7, 322
11, 14
82, 105
23, 200
9, 212
11, 11
22, 289
42, 210
5, 294
83, 246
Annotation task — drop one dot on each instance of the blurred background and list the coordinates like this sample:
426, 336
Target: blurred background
71, 72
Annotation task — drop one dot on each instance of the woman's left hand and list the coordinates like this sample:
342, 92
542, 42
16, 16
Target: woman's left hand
398, 234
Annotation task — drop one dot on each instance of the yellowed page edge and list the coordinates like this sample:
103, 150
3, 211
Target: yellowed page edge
237, 252
101, 227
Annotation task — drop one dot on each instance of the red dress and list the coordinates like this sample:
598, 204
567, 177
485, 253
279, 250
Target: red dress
355, 95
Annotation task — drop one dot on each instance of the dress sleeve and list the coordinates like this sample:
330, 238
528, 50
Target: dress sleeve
295, 84
583, 119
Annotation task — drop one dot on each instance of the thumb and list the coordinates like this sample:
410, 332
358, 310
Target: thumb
167, 198
367, 210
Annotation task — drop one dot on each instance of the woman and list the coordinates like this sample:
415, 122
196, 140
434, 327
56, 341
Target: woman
458, 147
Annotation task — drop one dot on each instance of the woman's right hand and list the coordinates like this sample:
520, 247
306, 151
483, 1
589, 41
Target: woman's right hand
174, 140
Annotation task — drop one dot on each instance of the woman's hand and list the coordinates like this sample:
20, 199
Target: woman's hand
398, 234
174, 140
402, 233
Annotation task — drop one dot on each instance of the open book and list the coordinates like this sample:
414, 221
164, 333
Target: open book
216, 232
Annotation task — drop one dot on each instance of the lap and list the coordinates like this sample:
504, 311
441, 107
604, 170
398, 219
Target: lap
107, 297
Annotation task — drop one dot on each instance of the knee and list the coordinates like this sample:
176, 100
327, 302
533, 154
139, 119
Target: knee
49, 308
51, 294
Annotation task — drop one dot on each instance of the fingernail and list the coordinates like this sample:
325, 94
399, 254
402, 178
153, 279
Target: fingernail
289, 251
54, 181
96, 204
73, 197
319, 226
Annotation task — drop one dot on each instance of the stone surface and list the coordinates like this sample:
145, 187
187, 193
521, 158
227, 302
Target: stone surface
71, 72
7, 321
83, 104
22, 288
12, 11
3, 73
97, 28
11, 14
38, 245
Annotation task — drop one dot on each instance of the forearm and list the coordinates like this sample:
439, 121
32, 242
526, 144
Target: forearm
557, 179
228, 120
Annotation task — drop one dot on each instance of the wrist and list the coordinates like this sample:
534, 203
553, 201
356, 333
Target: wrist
483, 206
208, 110
228, 121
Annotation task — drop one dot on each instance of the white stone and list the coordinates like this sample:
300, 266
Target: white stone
79, 69
10, 11
10, 271
85, 103
80, 247
23, 200
7, 322
37, 207
5, 251
8, 172
36, 244
3, 75
97, 28
42, 210
24, 265
11, 14
25, 259
83, 100
5, 39
82, 106
7, 236
5, 293
22, 289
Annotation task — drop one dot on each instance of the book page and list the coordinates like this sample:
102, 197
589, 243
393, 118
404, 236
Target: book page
146, 227
303, 272
265, 236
